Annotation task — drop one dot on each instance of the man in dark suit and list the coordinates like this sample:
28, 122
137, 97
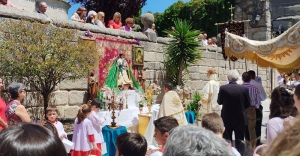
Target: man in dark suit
235, 100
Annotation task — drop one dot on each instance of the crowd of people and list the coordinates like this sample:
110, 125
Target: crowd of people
98, 19
241, 113
91, 17
202, 39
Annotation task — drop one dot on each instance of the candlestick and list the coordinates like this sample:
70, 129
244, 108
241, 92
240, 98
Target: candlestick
114, 105
126, 95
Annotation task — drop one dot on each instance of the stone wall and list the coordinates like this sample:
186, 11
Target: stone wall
69, 95
262, 31
57, 9
213, 58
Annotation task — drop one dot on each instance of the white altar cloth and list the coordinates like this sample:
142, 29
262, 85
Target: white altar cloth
127, 117
132, 99
150, 128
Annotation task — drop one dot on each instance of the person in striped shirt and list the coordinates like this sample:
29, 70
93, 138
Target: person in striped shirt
255, 102
259, 114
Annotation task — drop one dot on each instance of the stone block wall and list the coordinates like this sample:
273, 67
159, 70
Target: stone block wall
69, 95
262, 31
57, 9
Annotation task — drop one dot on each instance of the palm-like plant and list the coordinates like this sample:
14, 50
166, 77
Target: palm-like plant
182, 51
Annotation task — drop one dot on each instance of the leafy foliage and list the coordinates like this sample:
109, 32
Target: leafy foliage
182, 51
42, 56
127, 8
203, 14
194, 105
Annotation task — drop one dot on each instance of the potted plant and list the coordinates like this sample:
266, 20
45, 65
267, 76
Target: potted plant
195, 105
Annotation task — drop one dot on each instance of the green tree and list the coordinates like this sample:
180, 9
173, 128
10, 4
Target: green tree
42, 56
203, 14
182, 51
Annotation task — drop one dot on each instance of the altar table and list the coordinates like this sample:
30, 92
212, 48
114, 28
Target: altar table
125, 117
150, 128
110, 136
143, 122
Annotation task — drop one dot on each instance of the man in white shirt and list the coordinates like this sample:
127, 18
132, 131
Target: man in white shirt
163, 126
259, 114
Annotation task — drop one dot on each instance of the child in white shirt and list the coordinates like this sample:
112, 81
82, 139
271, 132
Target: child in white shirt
52, 113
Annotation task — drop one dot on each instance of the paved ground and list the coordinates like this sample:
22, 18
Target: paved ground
266, 106
266, 112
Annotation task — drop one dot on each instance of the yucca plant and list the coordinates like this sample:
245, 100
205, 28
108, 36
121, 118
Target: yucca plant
182, 51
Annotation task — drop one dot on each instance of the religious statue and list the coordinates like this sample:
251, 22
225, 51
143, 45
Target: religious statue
93, 86
141, 79
120, 74
122, 66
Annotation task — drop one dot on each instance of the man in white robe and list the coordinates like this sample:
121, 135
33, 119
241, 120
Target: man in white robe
209, 95
171, 105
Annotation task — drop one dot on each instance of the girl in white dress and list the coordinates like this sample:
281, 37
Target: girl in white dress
83, 136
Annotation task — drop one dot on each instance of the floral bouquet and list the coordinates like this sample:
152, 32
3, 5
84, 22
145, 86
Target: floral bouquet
143, 99
156, 89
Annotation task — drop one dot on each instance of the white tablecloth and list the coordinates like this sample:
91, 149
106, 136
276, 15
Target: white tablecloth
150, 128
127, 117
133, 98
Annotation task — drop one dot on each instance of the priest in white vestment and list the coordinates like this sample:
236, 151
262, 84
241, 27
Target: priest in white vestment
171, 105
209, 95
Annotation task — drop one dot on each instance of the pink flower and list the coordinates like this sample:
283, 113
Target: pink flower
199, 103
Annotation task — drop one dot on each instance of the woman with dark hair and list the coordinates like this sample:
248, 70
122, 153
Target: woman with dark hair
15, 112
26, 139
287, 83
297, 97
281, 107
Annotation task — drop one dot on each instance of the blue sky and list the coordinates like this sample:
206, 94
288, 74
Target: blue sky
151, 5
